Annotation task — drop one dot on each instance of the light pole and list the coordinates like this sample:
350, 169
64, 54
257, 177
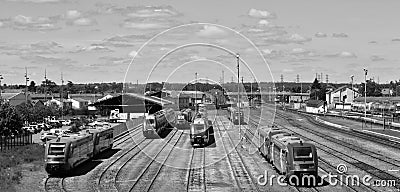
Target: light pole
1, 78
238, 96
365, 92
26, 85
195, 93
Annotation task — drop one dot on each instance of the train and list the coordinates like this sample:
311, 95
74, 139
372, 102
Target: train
64, 153
289, 154
184, 118
377, 108
155, 123
235, 116
200, 131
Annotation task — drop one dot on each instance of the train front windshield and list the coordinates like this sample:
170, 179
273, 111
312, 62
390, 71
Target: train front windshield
198, 126
56, 149
302, 154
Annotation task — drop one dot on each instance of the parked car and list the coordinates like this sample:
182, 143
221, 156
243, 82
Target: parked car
46, 136
66, 122
28, 128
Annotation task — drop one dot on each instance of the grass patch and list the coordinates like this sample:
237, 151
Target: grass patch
10, 171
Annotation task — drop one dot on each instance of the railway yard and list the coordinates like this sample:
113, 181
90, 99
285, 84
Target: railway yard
226, 164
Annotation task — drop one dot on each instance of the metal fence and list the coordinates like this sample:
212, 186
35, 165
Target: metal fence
9, 142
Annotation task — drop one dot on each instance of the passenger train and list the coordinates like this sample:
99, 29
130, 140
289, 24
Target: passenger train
64, 153
235, 115
290, 155
200, 131
377, 108
155, 123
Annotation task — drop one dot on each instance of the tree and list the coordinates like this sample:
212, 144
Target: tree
10, 122
373, 89
32, 87
317, 91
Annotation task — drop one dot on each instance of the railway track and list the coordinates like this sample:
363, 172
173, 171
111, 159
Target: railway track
147, 177
54, 184
242, 176
126, 135
196, 179
371, 170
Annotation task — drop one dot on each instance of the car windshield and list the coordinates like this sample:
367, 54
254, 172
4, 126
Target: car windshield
302, 153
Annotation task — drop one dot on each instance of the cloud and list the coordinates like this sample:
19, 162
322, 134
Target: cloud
73, 14
211, 31
133, 54
298, 38
84, 22
1, 24
49, 61
272, 53
260, 14
340, 35
151, 11
373, 42
142, 26
21, 22
343, 54
36, 1
396, 39
282, 38
320, 34
376, 58
263, 22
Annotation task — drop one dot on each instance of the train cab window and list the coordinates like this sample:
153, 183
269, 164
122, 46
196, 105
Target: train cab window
198, 126
56, 149
302, 153
151, 121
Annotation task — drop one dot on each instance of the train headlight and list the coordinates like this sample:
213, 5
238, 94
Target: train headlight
204, 136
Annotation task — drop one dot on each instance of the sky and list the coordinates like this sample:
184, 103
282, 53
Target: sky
170, 41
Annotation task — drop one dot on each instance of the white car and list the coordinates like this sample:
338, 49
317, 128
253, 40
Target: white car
66, 122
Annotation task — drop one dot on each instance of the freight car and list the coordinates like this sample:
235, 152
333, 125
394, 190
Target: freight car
65, 153
155, 123
290, 155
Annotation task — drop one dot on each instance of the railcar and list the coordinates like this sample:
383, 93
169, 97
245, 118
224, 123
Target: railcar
292, 156
155, 123
236, 115
103, 139
200, 131
68, 151
183, 119
265, 136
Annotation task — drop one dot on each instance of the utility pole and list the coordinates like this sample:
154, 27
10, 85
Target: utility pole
1, 78
352, 87
195, 93
238, 96
26, 85
365, 92
222, 78
45, 85
61, 97
251, 93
